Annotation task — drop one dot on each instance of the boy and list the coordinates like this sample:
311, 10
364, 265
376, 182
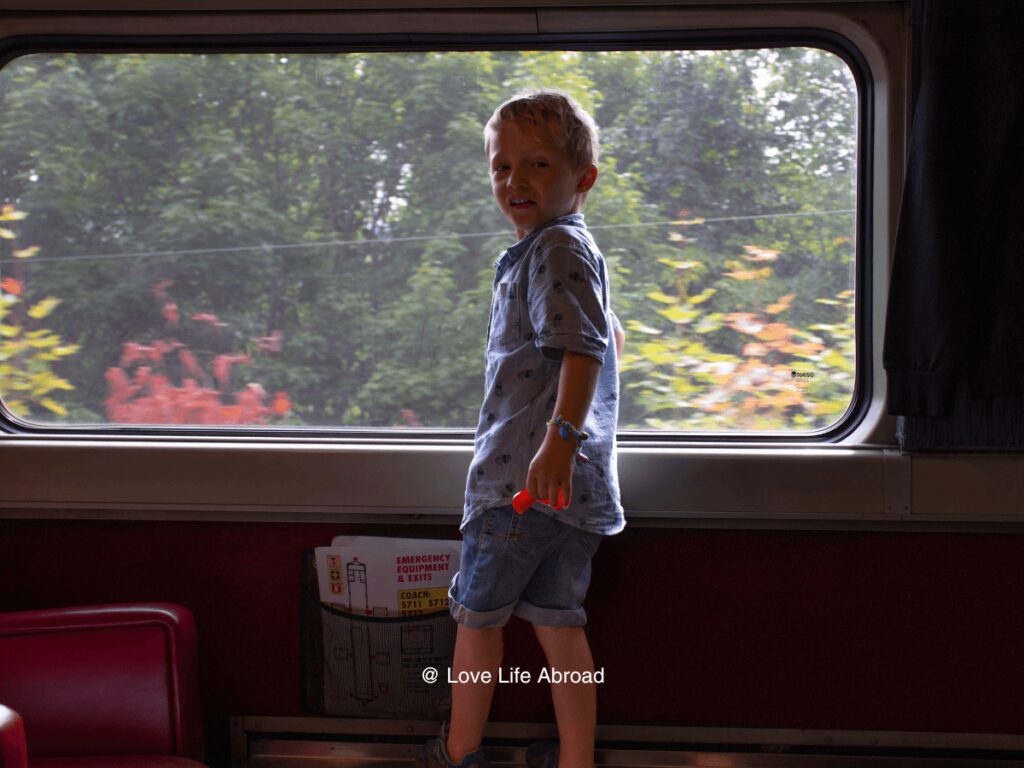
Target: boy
551, 395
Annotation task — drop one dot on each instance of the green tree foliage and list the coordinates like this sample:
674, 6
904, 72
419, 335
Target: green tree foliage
340, 205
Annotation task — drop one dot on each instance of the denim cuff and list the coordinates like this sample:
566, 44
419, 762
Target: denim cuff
479, 619
550, 617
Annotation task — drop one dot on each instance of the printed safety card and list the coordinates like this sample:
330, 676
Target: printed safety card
378, 576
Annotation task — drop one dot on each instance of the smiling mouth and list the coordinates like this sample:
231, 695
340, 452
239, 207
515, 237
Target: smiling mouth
520, 202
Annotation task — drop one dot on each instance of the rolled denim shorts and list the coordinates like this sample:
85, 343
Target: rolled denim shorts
531, 565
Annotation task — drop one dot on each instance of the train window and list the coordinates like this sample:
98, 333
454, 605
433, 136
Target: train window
304, 241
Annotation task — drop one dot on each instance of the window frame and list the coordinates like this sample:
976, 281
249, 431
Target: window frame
748, 39
229, 471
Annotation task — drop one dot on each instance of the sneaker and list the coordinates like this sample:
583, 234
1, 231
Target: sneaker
542, 754
434, 754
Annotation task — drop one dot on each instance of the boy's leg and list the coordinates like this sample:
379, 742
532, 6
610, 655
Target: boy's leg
476, 650
567, 649
483, 595
553, 603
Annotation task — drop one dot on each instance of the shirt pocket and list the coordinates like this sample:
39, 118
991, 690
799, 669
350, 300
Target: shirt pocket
506, 315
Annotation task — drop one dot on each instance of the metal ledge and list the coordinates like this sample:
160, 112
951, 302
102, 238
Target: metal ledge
282, 742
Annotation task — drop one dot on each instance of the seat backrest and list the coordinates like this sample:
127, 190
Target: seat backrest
103, 680
12, 740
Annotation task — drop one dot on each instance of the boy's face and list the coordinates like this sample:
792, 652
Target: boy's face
532, 177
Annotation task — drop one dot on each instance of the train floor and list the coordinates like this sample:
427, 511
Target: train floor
286, 742
292, 754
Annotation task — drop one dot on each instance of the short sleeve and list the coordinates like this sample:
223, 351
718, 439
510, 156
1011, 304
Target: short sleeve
566, 302
616, 325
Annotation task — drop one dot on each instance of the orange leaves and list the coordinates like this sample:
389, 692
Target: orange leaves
781, 305
806, 349
11, 286
410, 418
118, 383
132, 352
771, 337
160, 288
774, 332
756, 350
281, 404
771, 402
753, 387
271, 343
222, 367
744, 322
750, 274
147, 395
189, 363
10, 213
150, 398
725, 349
171, 313
749, 388
210, 319
756, 253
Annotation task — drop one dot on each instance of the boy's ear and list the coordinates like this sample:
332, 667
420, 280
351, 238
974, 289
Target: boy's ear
587, 179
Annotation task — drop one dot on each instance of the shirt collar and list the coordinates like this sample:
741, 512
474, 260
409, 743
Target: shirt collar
511, 256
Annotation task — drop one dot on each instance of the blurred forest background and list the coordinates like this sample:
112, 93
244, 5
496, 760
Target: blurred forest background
309, 240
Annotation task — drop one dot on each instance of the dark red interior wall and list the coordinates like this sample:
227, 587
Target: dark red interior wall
781, 629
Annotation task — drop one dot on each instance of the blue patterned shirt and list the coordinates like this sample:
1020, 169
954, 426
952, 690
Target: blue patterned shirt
551, 295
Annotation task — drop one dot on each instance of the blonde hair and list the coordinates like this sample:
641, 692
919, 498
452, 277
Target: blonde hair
540, 107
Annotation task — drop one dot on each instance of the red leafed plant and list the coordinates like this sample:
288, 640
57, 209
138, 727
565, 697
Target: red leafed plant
141, 390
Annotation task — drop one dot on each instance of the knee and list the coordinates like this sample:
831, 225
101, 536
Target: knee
557, 638
481, 635
543, 631
489, 640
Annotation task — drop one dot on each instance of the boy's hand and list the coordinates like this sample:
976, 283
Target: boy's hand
552, 467
551, 470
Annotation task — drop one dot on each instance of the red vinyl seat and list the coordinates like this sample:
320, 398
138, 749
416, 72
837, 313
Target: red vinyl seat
12, 740
104, 685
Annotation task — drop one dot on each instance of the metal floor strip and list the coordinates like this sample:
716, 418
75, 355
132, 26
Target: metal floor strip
273, 753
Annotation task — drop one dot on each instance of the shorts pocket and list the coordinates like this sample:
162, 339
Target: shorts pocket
590, 542
512, 538
531, 534
488, 523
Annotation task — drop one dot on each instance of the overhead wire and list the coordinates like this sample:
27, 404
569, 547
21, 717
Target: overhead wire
271, 247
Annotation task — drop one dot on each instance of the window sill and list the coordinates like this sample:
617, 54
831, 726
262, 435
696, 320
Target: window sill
789, 485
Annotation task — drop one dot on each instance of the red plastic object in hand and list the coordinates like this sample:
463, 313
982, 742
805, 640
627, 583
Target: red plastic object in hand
522, 501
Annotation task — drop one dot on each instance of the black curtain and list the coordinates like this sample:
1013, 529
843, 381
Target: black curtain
954, 335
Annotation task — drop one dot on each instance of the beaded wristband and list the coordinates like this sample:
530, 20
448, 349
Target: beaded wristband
565, 428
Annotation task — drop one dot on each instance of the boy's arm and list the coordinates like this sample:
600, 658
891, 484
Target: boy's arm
620, 335
553, 465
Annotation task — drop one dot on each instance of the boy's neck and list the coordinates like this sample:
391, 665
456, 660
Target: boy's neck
522, 234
